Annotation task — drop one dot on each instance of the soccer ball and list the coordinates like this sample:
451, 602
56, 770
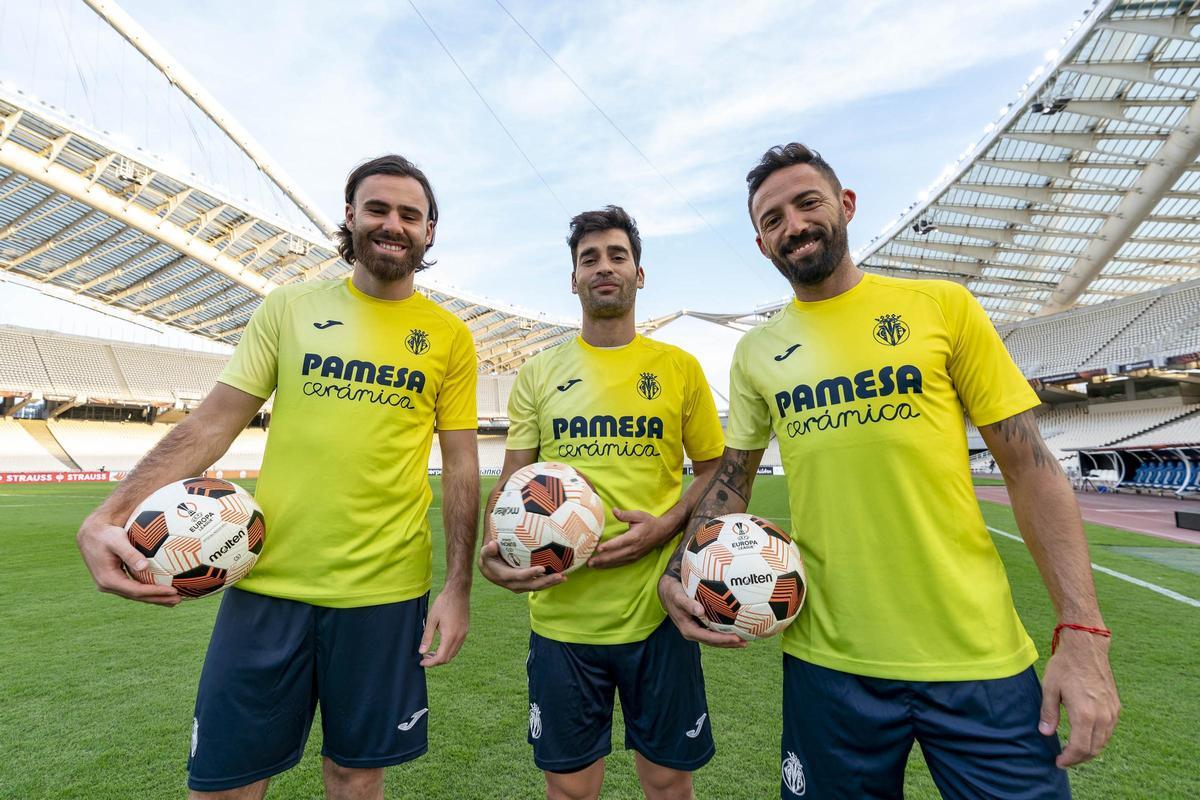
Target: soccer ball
198, 535
548, 516
747, 574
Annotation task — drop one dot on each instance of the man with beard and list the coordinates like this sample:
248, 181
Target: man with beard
602, 630
336, 610
910, 632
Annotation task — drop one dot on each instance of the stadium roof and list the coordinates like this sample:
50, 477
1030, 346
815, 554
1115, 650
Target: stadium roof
121, 227
80, 213
1087, 187
1084, 190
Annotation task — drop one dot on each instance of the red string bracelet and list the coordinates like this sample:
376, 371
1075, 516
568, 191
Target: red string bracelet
1105, 632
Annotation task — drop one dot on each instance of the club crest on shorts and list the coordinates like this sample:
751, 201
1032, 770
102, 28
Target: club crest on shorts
417, 341
891, 330
195, 735
535, 721
648, 385
793, 774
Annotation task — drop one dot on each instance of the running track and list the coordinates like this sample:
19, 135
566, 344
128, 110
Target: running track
1154, 516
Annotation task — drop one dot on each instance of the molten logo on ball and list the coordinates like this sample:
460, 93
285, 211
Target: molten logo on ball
746, 573
198, 535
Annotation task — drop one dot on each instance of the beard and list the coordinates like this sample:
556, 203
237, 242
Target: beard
831, 249
383, 266
611, 307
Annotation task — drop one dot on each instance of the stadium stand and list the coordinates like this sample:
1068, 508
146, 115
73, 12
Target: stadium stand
20, 452
1180, 431
21, 367
492, 396
1067, 430
155, 374
1060, 344
1147, 328
246, 452
107, 445
1170, 324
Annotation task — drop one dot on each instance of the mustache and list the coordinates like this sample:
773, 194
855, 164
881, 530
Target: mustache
401, 240
801, 239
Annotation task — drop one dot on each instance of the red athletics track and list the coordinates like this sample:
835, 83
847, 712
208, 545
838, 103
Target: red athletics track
1154, 516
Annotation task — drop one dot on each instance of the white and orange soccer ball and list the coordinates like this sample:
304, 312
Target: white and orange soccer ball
746, 573
548, 516
199, 535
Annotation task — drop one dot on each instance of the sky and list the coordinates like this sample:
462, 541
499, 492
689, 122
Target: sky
889, 92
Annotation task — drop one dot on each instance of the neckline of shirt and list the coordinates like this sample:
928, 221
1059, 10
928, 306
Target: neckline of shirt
358, 294
803, 306
591, 348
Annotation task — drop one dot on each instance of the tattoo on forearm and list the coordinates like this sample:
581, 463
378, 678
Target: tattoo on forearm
1024, 430
729, 491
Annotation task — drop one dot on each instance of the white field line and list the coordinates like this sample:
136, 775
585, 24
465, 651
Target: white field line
1154, 587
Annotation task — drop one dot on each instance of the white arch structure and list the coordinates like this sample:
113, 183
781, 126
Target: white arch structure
1086, 188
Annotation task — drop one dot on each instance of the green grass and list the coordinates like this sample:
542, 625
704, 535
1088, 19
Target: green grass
96, 693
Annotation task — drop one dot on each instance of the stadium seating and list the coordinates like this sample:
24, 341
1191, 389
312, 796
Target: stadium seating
1147, 327
1185, 430
20, 452
1068, 429
1160, 329
110, 445
78, 366
1061, 343
21, 368
154, 373
246, 452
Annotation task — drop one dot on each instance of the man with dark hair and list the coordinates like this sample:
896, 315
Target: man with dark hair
400, 167
602, 630
910, 632
336, 610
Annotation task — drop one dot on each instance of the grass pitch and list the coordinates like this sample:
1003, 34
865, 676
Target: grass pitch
96, 693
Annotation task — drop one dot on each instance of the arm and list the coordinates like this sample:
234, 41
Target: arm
647, 531
1078, 675
449, 615
727, 492
491, 563
190, 448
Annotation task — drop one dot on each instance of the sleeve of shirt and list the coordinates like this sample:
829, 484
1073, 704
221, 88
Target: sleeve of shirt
456, 402
989, 384
523, 430
254, 367
749, 426
703, 438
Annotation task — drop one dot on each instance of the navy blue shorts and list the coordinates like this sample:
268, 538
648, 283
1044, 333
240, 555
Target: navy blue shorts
270, 661
571, 689
849, 736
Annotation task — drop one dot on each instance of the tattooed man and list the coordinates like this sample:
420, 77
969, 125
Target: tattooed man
910, 633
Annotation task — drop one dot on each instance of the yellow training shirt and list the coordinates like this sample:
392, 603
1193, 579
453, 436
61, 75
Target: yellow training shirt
865, 393
622, 416
359, 384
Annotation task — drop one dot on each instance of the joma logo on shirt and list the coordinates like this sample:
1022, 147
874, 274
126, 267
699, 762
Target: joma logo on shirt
364, 372
864, 385
605, 425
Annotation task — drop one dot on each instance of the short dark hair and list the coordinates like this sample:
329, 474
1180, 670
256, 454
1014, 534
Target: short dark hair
607, 219
779, 157
390, 164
